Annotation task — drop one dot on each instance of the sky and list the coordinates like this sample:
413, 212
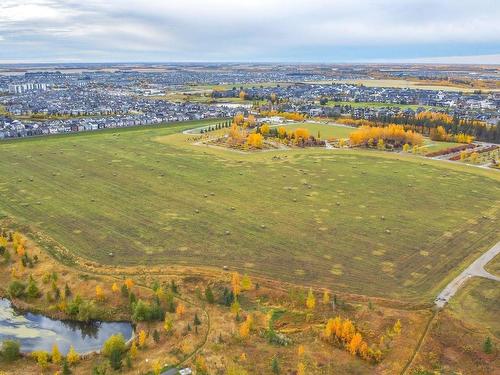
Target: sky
439, 31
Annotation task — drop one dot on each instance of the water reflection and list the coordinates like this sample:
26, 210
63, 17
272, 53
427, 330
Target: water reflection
38, 332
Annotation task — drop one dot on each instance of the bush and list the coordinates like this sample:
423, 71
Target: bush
143, 311
10, 350
114, 343
17, 289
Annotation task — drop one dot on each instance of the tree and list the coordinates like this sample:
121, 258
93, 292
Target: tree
264, 129
301, 369
16, 289
133, 350
275, 366
125, 291
242, 95
32, 291
244, 329
196, 320
115, 288
488, 346
10, 350
355, 343
129, 283
209, 295
114, 342
72, 357
200, 365
406, 147
168, 324
311, 300
246, 283
115, 359
235, 283
41, 358
56, 355
157, 367
235, 307
65, 368
397, 327
255, 140
99, 293
180, 310
156, 336
67, 291
142, 338
326, 297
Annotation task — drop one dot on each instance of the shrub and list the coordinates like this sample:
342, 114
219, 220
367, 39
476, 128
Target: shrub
17, 289
114, 343
10, 350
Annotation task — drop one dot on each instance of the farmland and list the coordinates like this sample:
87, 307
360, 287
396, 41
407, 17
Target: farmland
365, 222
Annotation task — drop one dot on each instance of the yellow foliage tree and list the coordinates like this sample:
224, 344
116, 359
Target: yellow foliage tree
115, 288
301, 133
41, 358
355, 343
129, 283
142, 338
397, 327
168, 324
72, 357
282, 132
311, 300
133, 350
244, 329
236, 283
246, 283
56, 354
99, 293
157, 367
301, 369
326, 297
251, 120
238, 119
264, 129
242, 95
180, 309
255, 140
235, 307
20, 250
300, 351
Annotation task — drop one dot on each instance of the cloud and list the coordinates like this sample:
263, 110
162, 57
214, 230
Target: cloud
257, 30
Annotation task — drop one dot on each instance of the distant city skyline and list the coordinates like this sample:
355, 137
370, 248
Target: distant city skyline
323, 31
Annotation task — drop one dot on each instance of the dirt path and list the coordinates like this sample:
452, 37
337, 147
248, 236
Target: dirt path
475, 269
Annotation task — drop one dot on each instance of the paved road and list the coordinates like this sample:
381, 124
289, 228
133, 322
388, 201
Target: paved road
475, 269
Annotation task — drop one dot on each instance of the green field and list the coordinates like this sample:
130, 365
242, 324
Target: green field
377, 105
368, 222
478, 304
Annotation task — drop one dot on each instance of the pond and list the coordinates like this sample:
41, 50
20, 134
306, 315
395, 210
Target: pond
38, 332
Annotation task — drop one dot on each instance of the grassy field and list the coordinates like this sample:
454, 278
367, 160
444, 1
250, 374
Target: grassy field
478, 303
366, 222
377, 105
401, 83
431, 146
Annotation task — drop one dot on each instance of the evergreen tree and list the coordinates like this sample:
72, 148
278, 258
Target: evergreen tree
209, 295
488, 346
275, 366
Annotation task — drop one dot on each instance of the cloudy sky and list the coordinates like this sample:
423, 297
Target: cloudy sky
249, 30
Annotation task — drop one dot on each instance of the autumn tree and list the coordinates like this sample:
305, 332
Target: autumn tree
264, 129
301, 368
246, 283
235, 307
236, 283
129, 283
115, 288
99, 293
311, 300
255, 140
56, 355
242, 95
142, 338
326, 297
157, 367
133, 350
397, 327
72, 357
355, 343
180, 310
